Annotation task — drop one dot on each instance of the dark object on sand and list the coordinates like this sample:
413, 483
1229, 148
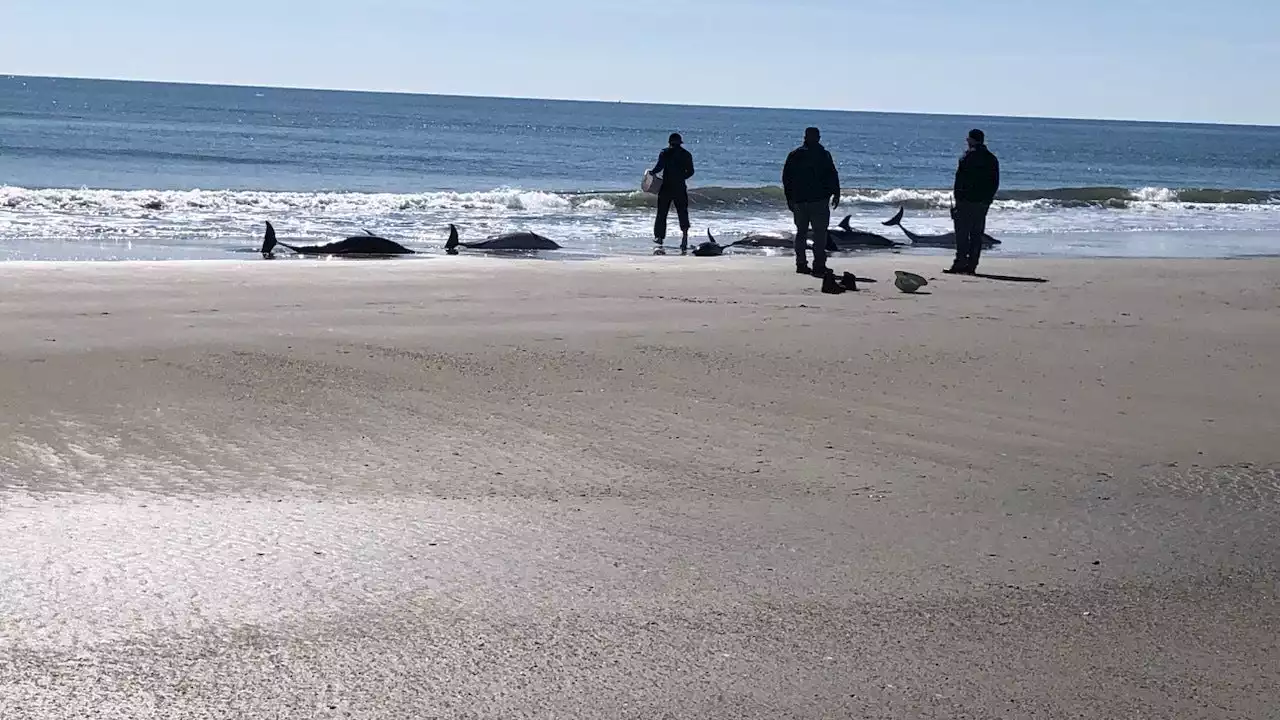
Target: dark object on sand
945, 240
710, 248
509, 241
908, 282
847, 283
367, 245
830, 285
845, 237
767, 240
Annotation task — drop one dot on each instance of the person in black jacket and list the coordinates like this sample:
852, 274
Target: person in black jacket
977, 181
810, 181
676, 165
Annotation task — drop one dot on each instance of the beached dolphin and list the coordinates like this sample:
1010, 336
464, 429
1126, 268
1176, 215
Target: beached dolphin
367, 245
945, 240
712, 247
784, 241
846, 238
839, 238
767, 240
509, 241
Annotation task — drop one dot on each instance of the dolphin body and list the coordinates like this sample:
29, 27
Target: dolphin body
785, 241
840, 238
509, 241
367, 245
945, 240
767, 240
846, 238
712, 247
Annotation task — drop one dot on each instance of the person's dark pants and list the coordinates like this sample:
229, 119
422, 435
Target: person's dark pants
815, 215
679, 196
970, 219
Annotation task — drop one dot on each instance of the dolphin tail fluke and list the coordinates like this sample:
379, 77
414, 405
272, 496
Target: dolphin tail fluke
269, 241
896, 219
844, 224
453, 238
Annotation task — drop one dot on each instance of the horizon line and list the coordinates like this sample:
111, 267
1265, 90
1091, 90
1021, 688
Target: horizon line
650, 103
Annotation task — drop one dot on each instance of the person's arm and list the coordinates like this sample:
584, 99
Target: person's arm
788, 175
689, 173
962, 179
662, 163
833, 181
995, 176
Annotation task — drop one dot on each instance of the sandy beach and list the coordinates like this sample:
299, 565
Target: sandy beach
639, 488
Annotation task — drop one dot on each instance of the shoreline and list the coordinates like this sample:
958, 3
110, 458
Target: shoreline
1029, 248
855, 261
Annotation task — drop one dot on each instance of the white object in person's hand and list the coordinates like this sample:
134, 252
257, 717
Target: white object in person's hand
651, 183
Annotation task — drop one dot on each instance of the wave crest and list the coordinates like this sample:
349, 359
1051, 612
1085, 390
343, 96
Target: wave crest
143, 203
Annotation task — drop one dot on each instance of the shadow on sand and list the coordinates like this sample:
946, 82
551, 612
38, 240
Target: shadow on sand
1011, 278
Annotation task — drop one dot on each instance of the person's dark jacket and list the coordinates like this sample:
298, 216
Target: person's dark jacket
676, 166
810, 175
977, 176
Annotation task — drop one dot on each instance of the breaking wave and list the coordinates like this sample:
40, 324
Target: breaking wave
142, 202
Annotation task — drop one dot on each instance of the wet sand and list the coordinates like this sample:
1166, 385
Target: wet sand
655, 488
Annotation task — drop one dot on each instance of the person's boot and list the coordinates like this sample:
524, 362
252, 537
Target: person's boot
819, 265
830, 285
959, 266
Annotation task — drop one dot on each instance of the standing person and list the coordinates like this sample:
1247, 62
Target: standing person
676, 165
977, 181
810, 181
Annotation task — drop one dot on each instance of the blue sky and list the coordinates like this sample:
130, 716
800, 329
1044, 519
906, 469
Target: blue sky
1183, 60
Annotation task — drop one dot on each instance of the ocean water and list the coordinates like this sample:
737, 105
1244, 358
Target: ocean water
115, 170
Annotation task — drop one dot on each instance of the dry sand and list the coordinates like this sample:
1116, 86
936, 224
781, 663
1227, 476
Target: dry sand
664, 488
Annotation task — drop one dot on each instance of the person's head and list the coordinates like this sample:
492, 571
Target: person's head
675, 140
976, 137
812, 135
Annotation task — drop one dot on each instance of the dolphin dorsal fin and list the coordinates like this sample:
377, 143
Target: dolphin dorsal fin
269, 241
844, 224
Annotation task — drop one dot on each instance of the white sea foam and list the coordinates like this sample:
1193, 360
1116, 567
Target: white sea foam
1156, 195
93, 223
